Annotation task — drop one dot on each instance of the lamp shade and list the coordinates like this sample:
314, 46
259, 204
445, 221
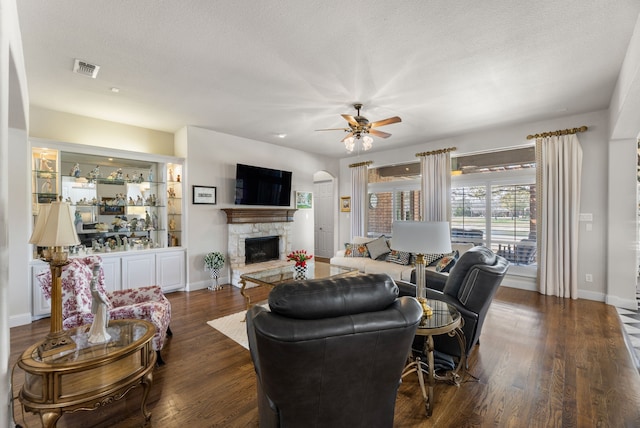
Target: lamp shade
421, 237
41, 220
59, 230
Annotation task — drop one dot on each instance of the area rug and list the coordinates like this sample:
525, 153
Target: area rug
233, 326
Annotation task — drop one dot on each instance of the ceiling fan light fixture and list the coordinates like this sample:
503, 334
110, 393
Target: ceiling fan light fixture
349, 144
367, 142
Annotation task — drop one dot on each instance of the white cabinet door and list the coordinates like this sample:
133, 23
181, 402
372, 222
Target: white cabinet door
112, 273
170, 270
41, 307
138, 271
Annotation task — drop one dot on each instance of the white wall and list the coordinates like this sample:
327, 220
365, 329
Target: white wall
211, 161
13, 113
593, 245
72, 128
622, 211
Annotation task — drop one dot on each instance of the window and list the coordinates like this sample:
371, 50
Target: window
394, 194
493, 201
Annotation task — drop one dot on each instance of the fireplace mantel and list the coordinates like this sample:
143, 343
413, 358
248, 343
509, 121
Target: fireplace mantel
259, 215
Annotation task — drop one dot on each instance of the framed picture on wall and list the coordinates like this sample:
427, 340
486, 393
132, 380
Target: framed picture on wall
304, 200
204, 195
345, 204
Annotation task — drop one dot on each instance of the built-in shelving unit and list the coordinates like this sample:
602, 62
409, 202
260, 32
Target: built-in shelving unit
128, 208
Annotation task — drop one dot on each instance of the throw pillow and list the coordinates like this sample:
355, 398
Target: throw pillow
378, 247
446, 263
432, 259
399, 257
355, 250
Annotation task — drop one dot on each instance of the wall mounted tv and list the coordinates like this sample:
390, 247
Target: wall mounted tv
262, 186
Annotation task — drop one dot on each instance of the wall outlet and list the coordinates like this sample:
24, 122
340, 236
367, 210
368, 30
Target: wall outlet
588, 277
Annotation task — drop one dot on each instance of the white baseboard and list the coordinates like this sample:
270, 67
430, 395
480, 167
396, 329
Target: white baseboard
618, 302
18, 320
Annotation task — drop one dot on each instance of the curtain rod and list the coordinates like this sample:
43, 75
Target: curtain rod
436, 152
355, 165
559, 132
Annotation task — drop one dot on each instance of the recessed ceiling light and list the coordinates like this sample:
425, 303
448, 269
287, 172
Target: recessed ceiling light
115, 90
281, 135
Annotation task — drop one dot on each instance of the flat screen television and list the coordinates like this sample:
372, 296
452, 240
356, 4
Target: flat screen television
262, 186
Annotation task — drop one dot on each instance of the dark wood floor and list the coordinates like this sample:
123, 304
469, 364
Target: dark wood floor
542, 362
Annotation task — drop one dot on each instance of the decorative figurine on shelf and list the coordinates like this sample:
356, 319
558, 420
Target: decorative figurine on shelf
170, 174
213, 262
96, 172
171, 192
150, 176
98, 332
46, 186
78, 222
75, 171
45, 165
147, 220
178, 179
172, 224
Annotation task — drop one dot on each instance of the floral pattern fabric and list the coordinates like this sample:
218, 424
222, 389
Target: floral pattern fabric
148, 303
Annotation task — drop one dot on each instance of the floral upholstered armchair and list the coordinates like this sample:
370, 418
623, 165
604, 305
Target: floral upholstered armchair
147, 303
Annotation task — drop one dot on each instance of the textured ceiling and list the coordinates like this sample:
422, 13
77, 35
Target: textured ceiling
258, 69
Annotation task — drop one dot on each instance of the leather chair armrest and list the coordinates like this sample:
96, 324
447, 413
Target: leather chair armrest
406, 288
435, 280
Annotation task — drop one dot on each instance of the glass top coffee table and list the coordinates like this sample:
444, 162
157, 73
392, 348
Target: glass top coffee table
274, 276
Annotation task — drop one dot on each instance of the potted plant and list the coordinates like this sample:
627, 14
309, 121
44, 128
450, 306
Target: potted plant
300, 268
213, 262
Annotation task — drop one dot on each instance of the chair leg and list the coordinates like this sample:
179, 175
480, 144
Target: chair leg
159, 360
169, 332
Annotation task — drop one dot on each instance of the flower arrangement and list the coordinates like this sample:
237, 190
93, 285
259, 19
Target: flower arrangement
214, 260
300, 257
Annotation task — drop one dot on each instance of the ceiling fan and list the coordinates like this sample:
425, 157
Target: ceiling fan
360, 127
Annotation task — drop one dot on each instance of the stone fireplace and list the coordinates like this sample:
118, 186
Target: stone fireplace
252, 224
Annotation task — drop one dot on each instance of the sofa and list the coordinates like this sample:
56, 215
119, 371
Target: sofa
369, 255
330, 352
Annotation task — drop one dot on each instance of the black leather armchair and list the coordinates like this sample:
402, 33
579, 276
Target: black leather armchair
330, 352
470, 287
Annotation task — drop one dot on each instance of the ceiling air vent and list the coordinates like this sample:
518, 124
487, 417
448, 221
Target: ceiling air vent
84, 68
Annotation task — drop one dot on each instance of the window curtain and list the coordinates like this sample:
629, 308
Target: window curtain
359, 211
435, 168
558, 177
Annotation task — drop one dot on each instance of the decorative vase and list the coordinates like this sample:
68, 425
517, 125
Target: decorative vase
214, 273
299, 272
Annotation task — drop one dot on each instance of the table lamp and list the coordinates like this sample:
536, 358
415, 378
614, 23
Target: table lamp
420, 238
55, 229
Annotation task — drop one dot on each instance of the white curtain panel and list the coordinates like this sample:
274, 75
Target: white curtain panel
436, 186
359, 212
559, 169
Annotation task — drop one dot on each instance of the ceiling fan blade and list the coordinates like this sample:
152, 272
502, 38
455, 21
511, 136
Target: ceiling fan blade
379, 133
351, 120
334, 129
388, 121
350, 134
